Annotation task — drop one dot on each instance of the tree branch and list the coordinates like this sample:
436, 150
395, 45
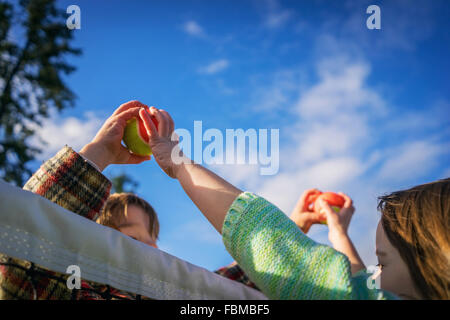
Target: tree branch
8, 81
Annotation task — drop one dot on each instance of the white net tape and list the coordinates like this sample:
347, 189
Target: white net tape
35, 229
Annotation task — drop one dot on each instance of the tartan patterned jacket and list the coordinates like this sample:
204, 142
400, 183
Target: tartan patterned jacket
234, 272
71, 182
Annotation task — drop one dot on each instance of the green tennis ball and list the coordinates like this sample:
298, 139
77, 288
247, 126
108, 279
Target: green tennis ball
336, 209
335, 201
136, 138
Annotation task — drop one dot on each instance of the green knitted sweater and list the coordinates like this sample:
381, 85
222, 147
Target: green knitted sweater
283, 262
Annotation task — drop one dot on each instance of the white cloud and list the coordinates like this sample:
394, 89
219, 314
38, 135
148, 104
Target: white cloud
275, 98
328, 135
58, 131
277, 95
238, 173
340, 90
277, 19
433, 118
333, 133
193, 28
399, 27
274, 15
327, 174
337, 135
215, 67
411, 160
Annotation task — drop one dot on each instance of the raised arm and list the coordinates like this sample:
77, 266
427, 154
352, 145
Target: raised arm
78, 185
276, 255
209, 192
338, 223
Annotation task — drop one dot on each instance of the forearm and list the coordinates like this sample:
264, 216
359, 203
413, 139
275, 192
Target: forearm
343, 244
210, 193
96, 155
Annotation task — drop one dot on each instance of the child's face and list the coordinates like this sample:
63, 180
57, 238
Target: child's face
136, 225
395, 275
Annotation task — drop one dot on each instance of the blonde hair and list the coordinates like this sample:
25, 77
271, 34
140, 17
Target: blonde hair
114, 212
417, 223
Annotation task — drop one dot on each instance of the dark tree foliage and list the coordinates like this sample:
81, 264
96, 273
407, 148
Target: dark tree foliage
120, 183
34, 40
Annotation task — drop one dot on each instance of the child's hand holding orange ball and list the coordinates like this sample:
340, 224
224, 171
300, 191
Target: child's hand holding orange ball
335, 201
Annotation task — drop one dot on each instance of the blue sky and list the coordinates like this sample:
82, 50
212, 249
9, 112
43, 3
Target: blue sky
360, 111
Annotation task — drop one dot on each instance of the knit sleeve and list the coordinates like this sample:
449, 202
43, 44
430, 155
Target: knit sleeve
71, 182
280, 259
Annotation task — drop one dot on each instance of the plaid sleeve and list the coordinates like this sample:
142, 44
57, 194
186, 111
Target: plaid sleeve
71, 182
234, 272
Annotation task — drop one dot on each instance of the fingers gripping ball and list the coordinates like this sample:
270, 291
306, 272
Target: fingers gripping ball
335, 201
136, 138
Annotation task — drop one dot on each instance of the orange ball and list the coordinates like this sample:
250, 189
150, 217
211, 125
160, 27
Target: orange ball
335, 201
